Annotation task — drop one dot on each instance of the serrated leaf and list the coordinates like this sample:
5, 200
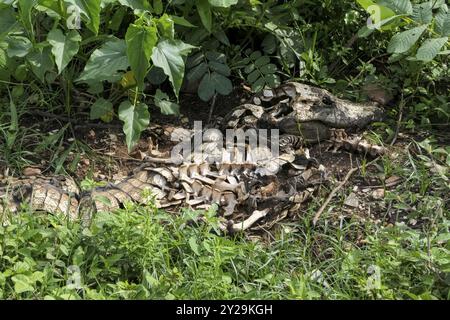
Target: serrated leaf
167, 107
403, 41
430, 49
141, 41
204, 11
169, 56
102, 109
64, 47
106, 62
135, 118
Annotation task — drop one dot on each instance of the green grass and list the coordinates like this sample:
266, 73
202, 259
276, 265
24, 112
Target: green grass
142, 253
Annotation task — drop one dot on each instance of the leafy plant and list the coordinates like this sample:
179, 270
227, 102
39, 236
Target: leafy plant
210, 69
260, 72
427, 27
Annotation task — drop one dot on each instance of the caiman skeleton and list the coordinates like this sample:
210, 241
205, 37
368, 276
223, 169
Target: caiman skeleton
302, 113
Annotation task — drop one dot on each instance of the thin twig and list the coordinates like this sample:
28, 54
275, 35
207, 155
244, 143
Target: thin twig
333, 193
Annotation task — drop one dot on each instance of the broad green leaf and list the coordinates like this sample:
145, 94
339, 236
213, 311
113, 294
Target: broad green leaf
194, 246
7, 21
117, 19
106, 62
182, 22
430, 49
25, 11
204, 11
90, 12
399, 6
102, 109
221, 68
136, 4
64, 48
197, 72
21, 72
40, 61
222, 84
366, 31
216, 56
158, 6
222, 37
22, 283
223, 3
56, 6
166, 26
206, 89
213, 83
169, 56
18, 46
403, 41
443, 22
377, 12
156, 76
423, 13
141, 41
136, 118
167, 107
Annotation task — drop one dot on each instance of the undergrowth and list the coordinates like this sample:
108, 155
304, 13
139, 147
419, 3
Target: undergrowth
143, 253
